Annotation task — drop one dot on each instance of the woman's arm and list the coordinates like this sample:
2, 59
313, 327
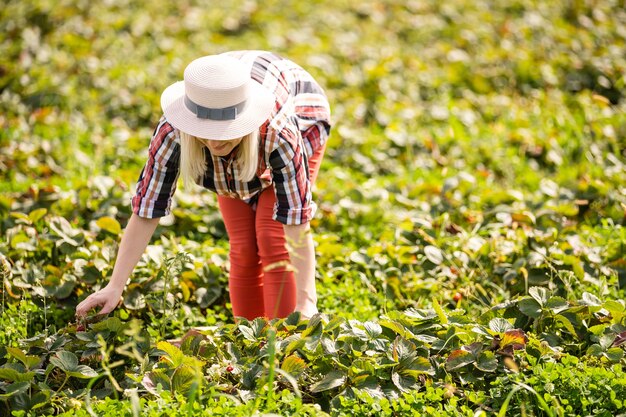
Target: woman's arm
136, 237
302, 255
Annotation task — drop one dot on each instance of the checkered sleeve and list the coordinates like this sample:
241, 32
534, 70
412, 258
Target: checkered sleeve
157, 181
290, 174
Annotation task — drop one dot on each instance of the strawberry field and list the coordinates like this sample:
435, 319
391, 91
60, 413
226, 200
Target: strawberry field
470, 236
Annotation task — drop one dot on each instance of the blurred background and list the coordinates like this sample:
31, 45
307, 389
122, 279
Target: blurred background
80, 82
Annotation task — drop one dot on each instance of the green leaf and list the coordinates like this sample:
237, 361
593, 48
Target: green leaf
567, 324
359, 258
20, 216
487, 361
15, 389
397, 328
416, 367
433, 254
328, 345
500, 325
183, 378
615, 354
40, 399
333, 324
259, 326
66, 361
37, 214
402, 349
368, 383
12, 375
9, 374
156, 377
595, 350
530, 307
28, 361
66, 288
440, 313
314, 327
332, 380
313, 333
404, 383
62, 228
112, 324
109, 224
557, 305
207, 296
295, 345
606, 340
616, 308
174, 354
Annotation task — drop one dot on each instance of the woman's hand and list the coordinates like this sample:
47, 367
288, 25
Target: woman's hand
134, 241
108, 298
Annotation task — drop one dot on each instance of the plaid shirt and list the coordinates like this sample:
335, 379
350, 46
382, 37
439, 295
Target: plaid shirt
297, 127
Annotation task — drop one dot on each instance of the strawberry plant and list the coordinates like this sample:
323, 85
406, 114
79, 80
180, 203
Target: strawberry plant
470, 233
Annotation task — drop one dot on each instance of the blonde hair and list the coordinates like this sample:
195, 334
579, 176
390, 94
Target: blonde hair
193, 163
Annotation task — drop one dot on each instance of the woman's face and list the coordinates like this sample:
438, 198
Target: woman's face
221, 147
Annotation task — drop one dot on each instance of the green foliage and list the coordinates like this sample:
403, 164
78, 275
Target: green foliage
470, 233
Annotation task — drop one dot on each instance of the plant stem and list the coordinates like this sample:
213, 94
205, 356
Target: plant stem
271, 338
63, 384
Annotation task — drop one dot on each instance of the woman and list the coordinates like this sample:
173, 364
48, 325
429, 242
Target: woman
252, 127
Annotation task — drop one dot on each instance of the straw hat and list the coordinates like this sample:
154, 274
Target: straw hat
217, 99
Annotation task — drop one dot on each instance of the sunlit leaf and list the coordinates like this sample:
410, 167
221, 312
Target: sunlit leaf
294, 365
516, 339
433, 254
83, 371
183, 378
590, 300
247, 332
37, 214
539, 294
500, 325
109, 224
440, 313
373, 329
458, 359
174, 355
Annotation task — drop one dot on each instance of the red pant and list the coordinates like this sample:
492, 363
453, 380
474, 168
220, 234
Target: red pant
260, 282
